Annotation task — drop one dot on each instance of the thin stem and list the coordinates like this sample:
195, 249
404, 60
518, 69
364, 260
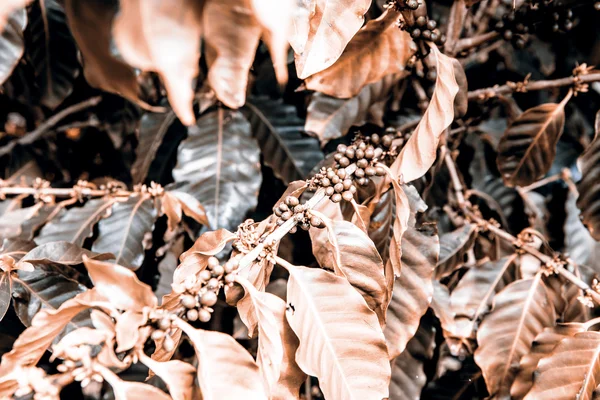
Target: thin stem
469, 43
61, 192
541, 182
456, 183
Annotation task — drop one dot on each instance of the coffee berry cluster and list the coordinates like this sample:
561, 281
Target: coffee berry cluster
199, 295
426, 29
291, 208
514, 27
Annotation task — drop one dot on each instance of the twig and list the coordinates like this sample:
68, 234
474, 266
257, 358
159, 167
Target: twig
484, 52
39, 132
541, 182
486, 93
469, 43
62, 192
456, 183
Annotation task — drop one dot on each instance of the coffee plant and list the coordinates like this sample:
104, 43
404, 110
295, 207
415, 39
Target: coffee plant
299, 199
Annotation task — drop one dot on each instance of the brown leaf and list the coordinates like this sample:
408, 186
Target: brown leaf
171, 207
119, 285
587, 186
127, 329
231, 32
64, 253
528, 147
125, 390
520, 312
341, 342
7, 7
22, 223
191, 207
225, 368
325, 28
150, 36
572, 371
419, 153
178, 375
542, 347
453, 248
376, 51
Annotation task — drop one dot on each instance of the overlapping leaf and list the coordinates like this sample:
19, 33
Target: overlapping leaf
218, 164
376, 51
22, 223
285, 148
588, 190
453, 247
125, 230
528, 147
520, 312
341, 342
12, 42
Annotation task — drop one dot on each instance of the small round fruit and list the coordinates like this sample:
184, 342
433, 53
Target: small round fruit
292, 201
209, 299
369, 153
329, 191
387, 141
336, 198
229, 267
422, 21
352, 189
205, 275
305, 226
277, 211
370, 171
379, 171
347, 195
229, 278
361, 146
188, 301
347, 183
363, 181
325, 182
342, 148
299, 209
507, 35
168, 343
157, 334
212, 262
218, 271
435, 36
426, 34
359, 173
339, 187
164, 324
213, 283
412, 4
555, 28
568, 25
431, 24
360, 153
316, 221
500, 26
416, 33
375, 138
338, 156
192, 315
350, 152
335, 179
283, 207
204, 315
341, 173
330, 174
362, 163
344, 162
286, 215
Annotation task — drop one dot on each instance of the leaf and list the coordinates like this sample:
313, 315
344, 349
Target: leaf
150, 36
178, 376
45, 326
520, 312
542, 347
218, 164
52, 51
341, 342
119, 285
376, 51
225, 368
413, 289
7, 8
125, 230
23, 222
578, 240
76, 224
285, 147
528, 147
588, 190
330, 118
381, 223
419, 153
322, 39
12, 42
152, 131
231, 34
352, 255
63, 253
571, 371
472, 297
453, 248
124, 390
91, 24
191, 207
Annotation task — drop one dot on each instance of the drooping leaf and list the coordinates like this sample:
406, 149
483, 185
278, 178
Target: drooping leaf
453, 247
12, 42
347, 354
330, 118
153, 128
324, 31
231, 33
225, 369
578, 240
119, 285
23, 222
588, 191
381, 222
75, 224
63, 253
520, 312
376, 51
125, 390
8, 7
413, 289
52, 51
528, 147
419, 153
285, 148
124, 231
218, 164
150, 36
178, 375
542, 347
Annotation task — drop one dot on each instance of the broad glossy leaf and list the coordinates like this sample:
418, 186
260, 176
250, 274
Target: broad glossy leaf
542, 347
225, 368
330, 118
231, 33
125, 390
23, 222
572, 371
351, 254
125, 230
528, 147
324, 30
5, 292
578, 240
52, 51
63, 253
91, 23
376, 51
8, 7
381, 222
341, 342
152, 37
153, 128
453, 248
76, 224
119, 285
588, 188
218, 164
413, 289
520, 312
12, 42
45, 327
472, 297
178, 376
285, 147
419, 153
